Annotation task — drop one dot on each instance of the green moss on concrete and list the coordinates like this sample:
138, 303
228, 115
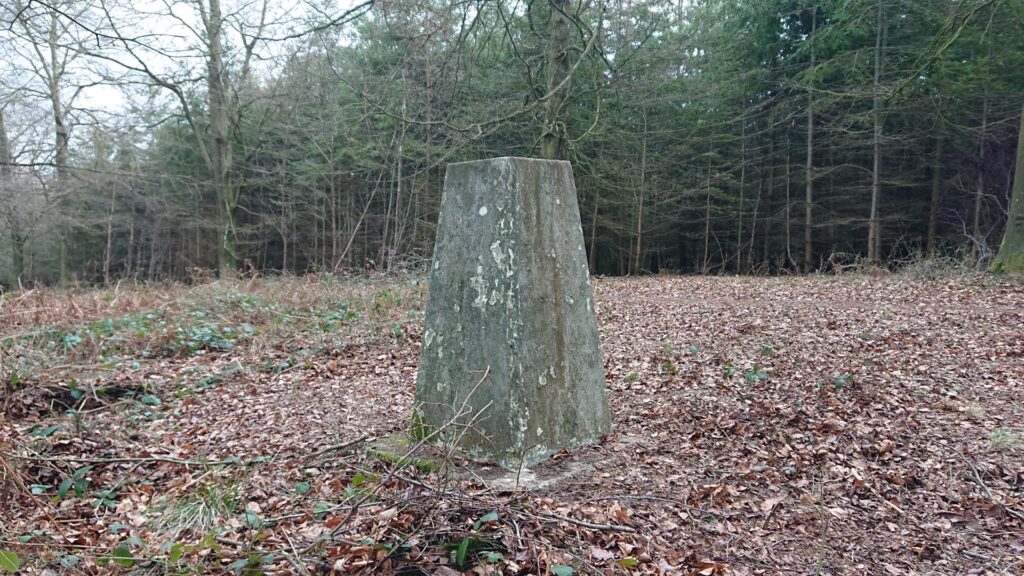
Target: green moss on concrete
1011, 251
418, 429
395, 449
422, 465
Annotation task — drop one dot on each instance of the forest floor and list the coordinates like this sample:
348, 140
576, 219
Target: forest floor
809, 425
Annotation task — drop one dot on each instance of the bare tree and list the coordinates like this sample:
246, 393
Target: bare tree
46, 50
26, 199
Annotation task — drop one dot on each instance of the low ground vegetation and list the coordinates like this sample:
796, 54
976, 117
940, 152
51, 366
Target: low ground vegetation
844, 424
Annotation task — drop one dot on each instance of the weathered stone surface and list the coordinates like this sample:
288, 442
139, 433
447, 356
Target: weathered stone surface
510, 298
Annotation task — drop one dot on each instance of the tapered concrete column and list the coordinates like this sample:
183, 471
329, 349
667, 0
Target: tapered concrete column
511, 364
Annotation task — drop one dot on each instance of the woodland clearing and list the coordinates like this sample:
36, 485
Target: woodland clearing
805, 425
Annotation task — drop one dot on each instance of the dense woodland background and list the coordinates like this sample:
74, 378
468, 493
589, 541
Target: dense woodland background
177, 139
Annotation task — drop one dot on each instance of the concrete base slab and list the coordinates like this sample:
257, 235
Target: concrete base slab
399, 449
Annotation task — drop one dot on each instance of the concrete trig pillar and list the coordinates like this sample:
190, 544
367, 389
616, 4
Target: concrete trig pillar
510, 342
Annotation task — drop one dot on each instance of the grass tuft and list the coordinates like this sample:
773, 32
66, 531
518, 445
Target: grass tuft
200, 511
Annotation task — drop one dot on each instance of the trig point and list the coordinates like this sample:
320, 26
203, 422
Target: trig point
510, 365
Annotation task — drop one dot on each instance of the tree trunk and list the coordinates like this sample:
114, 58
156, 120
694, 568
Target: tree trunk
283, 228
640, 203
707, 222
13, 222
399, 228
220, 143
1011, 251
769, 212
753, 224
979, 189
62, 137
130, 265
18, 254
743, 180
790, 261
108, 254
809, 169
874, 240
552, 145
61, 132
936, 205
593, 235
332, 183
6, 158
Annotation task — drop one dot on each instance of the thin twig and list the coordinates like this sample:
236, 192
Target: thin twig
337, 447
293, 558
583, 523
977, 478
393, 471
168, 459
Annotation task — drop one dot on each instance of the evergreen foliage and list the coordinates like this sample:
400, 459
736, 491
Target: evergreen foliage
711, 136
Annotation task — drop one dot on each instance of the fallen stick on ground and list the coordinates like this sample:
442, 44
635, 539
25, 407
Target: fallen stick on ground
337, 447
168, 459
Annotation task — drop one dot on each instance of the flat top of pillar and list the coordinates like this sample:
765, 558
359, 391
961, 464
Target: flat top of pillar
510, 159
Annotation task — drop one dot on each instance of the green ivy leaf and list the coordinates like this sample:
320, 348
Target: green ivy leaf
491, 556
45, 432
9, 561
64, 487
301, 488
252, 520
150, 400
561, 570
485, 519
176, 552
842, 380
122, 556
320, 509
